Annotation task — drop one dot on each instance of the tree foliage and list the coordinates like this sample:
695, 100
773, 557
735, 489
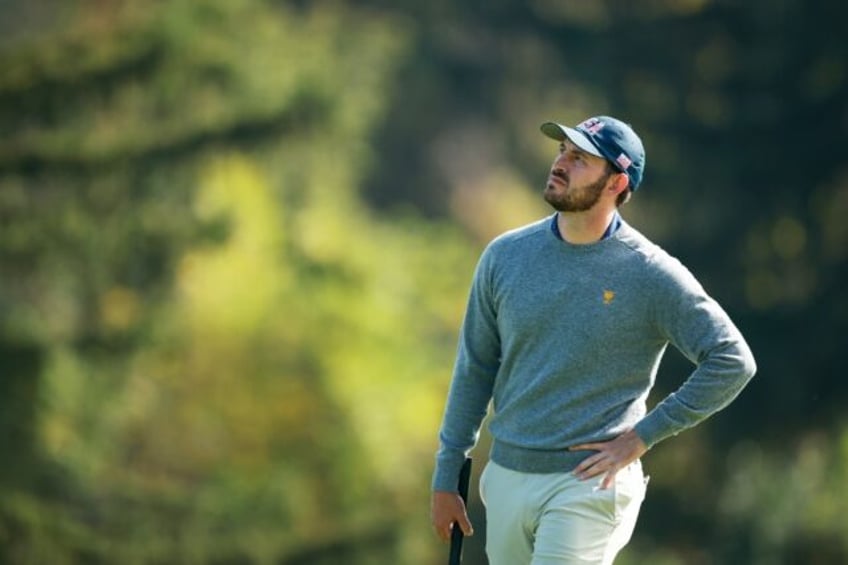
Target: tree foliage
236, 238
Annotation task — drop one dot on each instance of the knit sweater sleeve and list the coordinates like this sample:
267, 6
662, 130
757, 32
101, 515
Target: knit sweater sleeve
477, 363
702, 331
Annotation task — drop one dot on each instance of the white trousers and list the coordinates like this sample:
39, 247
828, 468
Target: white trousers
557, 519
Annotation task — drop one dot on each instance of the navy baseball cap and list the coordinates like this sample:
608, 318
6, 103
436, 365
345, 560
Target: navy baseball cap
608, 138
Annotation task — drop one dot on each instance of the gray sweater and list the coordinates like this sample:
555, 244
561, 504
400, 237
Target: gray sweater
565, 341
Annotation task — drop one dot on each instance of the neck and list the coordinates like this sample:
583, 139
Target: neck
581, 228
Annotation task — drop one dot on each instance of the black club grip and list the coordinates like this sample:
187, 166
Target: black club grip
456, 532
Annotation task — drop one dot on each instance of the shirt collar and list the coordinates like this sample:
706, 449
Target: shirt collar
611, 228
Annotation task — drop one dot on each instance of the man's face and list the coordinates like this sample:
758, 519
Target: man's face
577, 179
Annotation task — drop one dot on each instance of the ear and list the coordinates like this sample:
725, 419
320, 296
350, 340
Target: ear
618, 183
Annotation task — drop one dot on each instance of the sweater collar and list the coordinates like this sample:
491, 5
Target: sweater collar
611, 228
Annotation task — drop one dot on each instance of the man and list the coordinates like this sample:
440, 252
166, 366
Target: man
566, 324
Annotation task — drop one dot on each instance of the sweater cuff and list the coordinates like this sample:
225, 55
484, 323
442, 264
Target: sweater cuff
446, 474
652, 430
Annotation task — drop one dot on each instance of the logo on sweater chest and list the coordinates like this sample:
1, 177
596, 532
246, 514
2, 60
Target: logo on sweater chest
608, 296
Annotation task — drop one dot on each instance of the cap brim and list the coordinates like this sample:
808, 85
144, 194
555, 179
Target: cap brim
561, 133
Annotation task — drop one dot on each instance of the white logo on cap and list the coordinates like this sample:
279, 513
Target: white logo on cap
592, 125
623, 161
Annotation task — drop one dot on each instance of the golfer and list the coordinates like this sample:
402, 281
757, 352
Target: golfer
567, 321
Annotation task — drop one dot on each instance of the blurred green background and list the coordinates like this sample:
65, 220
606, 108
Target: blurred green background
236, 238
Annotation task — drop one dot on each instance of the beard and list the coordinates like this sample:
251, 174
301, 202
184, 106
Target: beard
575, 199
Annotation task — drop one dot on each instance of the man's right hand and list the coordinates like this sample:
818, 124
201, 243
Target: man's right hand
446, 510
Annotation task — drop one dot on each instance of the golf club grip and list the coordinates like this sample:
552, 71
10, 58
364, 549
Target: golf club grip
456, 533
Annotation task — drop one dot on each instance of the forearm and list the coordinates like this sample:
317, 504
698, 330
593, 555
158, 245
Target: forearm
477, 364
714, 383
466, 407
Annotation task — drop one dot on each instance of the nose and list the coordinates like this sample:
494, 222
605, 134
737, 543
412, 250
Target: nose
563, 161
